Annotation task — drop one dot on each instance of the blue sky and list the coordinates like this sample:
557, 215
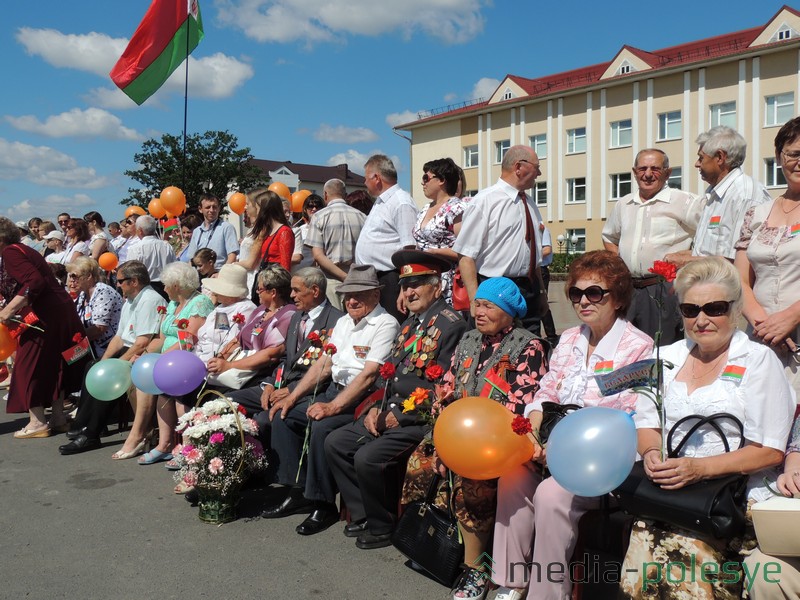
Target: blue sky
314, 81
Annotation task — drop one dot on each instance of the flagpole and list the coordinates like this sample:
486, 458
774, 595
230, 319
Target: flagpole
185, 98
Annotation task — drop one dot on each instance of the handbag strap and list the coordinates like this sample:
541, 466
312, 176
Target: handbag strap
265, 254
701, 420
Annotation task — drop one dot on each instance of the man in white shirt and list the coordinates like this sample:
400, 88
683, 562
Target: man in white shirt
363, 340
127, 238
151, 251
388, 228
500, 234
214, 233
653, 223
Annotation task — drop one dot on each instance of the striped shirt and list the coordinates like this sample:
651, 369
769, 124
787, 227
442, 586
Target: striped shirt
335, 229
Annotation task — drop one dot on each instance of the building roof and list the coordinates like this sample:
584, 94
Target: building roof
311, 173
702, 50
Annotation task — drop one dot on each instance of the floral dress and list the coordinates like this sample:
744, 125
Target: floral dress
438, 233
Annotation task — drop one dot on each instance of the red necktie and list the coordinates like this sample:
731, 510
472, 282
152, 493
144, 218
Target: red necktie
530, 235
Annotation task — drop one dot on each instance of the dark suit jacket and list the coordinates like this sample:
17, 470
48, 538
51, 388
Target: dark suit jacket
293, 372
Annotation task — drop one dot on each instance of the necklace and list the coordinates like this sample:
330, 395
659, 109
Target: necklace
783, 201
714, 366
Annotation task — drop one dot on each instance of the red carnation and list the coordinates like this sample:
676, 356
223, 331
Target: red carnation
242, 409
182, 323
314, 338
387, 371
329, 349
77, 338
162, 310
664, 269
521, 426
434, 372
238, 318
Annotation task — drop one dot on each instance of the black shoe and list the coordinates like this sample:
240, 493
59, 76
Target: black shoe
79, 444
73, 433
294, 504
192, 497
369, 541
356, 528
319, 520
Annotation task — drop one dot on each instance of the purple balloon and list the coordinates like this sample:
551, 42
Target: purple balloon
178, 372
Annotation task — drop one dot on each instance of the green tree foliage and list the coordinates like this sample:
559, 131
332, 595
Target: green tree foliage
213, 156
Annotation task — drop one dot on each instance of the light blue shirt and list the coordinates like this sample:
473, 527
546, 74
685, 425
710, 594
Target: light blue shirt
220, 237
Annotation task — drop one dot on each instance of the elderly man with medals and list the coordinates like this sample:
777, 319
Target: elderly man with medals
368, 457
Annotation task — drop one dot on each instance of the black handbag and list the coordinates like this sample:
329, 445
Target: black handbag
429, 536
712, 507
552, 413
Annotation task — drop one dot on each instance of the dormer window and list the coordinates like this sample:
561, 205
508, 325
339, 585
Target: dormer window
784, 33
508, 94
625, 68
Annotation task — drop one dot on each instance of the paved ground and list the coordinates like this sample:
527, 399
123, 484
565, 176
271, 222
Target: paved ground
87, 527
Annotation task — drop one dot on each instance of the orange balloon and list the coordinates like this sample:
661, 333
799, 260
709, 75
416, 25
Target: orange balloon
281, 189
237, 202
134, 210
156, 208
173, 200
168, 215
108, 261
298, 198
7, 343
473, 437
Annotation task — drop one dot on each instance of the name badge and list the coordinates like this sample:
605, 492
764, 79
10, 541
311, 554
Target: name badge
361, 351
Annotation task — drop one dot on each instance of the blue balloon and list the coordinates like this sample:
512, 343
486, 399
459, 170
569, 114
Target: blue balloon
178, 372
142, 373
591, 451
109, 379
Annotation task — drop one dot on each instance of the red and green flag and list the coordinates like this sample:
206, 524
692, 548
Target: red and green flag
169, 32
169, 224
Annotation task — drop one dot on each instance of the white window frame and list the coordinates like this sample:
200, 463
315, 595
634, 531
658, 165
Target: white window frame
723, 113
575, 139
580, 246
618, 184
471, 156
625, 68
775, 105
618, 131
667, 121
540, 193
574, 186
675, 180
508, 94
773, 174
500, 149
539, 144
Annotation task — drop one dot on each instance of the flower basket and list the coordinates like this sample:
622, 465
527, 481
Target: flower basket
215, 506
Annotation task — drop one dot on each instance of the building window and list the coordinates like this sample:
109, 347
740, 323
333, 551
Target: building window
669, 126
470, 156
775, 176
540, 193
723, 114
470, 194
576, 190
508, 94
621, 133
624, 68
576, 140
539, 145
620, 185
676, 178
576, 240
500, 149
779, 109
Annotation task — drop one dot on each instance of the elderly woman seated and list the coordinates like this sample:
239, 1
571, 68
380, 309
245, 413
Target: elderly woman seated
516, 362
600, 288
717, 369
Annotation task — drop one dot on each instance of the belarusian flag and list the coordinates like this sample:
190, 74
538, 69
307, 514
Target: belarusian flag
158, 47
169, 224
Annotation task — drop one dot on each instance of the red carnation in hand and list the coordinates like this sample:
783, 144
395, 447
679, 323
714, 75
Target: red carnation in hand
182, 323
434, 372
241, 409
238, 318
77, 338
162, 310
329, 349
314, 338
521, 426
664, 269
387, 371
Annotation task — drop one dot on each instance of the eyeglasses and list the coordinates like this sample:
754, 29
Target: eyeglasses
710, 309
63, 222
74, 276
653, 170
593, 293
123, 280
534, 165
427, 177
790, 158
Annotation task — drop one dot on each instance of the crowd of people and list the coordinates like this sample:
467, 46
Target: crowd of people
452, 298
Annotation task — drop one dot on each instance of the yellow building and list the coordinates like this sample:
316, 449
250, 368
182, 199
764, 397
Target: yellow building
588, 124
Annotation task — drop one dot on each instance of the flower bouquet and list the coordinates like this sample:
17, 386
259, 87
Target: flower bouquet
219, 451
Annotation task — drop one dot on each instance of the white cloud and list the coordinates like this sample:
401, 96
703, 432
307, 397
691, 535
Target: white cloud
312, 21
43, 165
484, 88
355, 160
216, 76
49, 206
395, 119
91, 123
344, 135
450, 97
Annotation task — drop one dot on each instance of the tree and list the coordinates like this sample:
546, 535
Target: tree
211, 158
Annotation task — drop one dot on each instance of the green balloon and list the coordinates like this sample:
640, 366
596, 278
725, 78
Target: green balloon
109, 379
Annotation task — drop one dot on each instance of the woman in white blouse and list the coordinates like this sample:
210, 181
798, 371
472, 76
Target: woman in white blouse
99, 242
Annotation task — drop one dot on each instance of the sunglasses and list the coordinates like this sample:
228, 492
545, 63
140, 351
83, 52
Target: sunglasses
123, 280
426, 177
710, 309
63, 222
593, 293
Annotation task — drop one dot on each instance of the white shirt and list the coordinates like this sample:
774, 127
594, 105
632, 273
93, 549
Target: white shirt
493, 232
723, 214
219, 328
313, 315
154, 254
647, 230
763, 401
369, 340
122, 245
547, 241
388, 228
140, 316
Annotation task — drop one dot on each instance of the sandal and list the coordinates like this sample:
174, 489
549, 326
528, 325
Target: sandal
155, 455
173, 465
25, 433
183, 488
472, 585
120, 455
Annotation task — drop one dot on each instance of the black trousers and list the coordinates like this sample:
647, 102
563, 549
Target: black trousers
369, 470
390, 280
547, 319
656, 306
93, 413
